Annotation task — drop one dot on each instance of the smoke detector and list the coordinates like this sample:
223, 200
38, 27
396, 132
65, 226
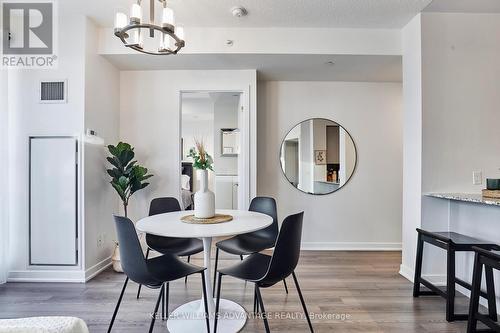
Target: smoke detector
239, 11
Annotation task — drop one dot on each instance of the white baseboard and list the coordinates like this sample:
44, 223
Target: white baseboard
436, 279
409, 274
440, 280
73, 276
482, 300
60, 275
350, 246
97, 268
406, 272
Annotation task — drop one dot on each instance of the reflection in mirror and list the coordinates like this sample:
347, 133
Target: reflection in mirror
230, 141
318, 156
208, 116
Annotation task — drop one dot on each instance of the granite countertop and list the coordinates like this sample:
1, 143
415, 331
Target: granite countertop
467, 197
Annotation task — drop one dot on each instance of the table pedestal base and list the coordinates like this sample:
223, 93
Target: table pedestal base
189, 318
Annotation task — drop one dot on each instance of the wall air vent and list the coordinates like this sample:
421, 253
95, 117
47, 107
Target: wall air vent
53, 92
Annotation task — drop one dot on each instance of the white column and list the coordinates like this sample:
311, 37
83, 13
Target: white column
207, 250
412, 142
4, 180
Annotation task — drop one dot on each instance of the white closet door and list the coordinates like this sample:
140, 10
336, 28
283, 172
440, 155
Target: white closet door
223, 192
53, 201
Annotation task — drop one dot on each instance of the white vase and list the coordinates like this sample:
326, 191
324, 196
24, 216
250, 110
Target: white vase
204, 199
117, 266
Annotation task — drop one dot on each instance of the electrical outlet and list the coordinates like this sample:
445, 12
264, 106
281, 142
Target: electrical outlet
477, 178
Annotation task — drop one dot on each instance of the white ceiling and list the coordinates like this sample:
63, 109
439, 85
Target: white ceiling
464, 6
269, 13
276, 67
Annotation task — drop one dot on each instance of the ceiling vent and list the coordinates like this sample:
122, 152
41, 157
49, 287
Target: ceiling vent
53, 92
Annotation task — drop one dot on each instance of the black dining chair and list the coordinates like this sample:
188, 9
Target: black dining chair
488, 261
153, 273
179, 246
252, 242
265, 271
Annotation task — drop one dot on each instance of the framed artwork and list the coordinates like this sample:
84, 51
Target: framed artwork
320, 157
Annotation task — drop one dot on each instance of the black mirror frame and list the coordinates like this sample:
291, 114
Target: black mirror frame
355, 152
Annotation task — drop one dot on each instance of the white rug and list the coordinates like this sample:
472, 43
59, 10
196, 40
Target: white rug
43, 325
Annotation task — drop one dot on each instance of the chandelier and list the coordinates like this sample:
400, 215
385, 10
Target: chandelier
131, 32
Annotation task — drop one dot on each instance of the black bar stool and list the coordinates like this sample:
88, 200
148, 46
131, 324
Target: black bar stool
490, 261
451, 242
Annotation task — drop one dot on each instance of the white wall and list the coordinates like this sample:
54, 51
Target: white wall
93, 89
4, 180
28, 117
366, 213
460, 113
149, 120
225, 116
348, 156
412, 142
461, 105
102, 98
451, 79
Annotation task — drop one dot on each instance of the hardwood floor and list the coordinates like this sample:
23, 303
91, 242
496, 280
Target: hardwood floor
359, 291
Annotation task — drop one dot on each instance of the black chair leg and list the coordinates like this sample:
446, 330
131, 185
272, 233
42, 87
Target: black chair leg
255, 309
450, 285
219, 283
418, 266
490, 291
261, 302
117, 305
186, 278
286, 287
155, 313
139, 289
165, 303
302, 301
215, 270
475, 293
241, 257
207, 318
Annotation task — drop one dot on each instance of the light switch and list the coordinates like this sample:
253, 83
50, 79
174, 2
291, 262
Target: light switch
477, 178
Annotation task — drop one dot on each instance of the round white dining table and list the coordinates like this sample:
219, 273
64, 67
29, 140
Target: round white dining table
189, 317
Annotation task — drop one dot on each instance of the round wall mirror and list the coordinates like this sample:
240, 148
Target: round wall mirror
318, 156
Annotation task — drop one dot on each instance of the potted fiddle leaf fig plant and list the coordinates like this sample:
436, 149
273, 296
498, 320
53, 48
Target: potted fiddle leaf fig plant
204, 199
127, 177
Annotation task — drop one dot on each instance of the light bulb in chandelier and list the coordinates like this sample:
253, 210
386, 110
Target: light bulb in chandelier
167, 18
135, 37
121, 21
135, 14
165, 43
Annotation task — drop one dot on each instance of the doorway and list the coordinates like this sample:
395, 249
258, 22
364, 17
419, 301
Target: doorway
216, 119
